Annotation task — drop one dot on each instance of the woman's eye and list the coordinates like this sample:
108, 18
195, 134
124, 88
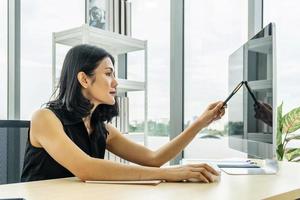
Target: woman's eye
108, 74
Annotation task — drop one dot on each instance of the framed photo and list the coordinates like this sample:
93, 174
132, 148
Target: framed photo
96, 13
109, 15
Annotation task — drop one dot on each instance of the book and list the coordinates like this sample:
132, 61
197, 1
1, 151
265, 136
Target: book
125, 115
128, 18
122, 17
116, 16
110, 15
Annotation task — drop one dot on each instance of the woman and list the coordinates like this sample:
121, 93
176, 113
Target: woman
70, 135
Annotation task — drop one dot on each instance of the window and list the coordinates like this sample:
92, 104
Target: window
286, 16
213, 30
38, 20
287, 21
151, 21
3, 59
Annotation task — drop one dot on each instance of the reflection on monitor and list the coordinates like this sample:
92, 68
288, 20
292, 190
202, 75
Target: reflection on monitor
251, 125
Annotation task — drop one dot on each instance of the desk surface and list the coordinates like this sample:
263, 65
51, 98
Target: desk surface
284, 185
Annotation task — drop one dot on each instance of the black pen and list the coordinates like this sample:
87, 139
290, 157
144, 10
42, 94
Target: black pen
233, 92
251, 93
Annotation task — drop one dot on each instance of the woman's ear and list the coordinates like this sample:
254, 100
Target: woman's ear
82, 78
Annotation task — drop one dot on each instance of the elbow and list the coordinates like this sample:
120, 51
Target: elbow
82, 171
83, 176
155, 161
157, 164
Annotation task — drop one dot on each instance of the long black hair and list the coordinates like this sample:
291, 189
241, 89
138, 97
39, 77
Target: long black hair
82, 58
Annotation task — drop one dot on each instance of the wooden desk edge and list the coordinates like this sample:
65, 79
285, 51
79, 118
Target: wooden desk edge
293, 194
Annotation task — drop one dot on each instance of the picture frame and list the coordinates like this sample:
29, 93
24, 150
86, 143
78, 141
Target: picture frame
96, 13
109, 15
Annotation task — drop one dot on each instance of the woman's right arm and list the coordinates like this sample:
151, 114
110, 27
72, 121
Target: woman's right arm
47, 131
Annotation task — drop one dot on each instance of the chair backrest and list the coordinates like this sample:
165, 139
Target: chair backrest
13, 138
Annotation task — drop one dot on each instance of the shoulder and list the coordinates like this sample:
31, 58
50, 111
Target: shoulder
42, 115
44, 118
43, 121
110, 128
112, 131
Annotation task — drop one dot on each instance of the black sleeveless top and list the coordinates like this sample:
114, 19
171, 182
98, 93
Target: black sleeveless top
39, 165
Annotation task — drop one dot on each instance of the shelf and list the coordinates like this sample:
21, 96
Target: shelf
112, 42
261, 45
115, 44
262, 137
127, 85
260, 85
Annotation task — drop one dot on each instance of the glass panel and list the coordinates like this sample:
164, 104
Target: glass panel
3, 59
213, 30
285, 15
145, 26
38, 20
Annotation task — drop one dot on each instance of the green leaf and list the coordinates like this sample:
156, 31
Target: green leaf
280, 152
291, 121
279, 125
290, 150
296, 160
293, 137
293, 153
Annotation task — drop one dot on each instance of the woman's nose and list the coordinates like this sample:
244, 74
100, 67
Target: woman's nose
115, 83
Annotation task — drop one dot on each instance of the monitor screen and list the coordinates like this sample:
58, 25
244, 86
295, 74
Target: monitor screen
251, 121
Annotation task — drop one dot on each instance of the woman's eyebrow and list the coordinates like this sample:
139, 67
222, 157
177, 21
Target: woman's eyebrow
110, 68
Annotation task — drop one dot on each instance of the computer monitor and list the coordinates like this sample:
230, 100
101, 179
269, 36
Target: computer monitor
254, 62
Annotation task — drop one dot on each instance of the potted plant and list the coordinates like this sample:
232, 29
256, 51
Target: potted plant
286, 126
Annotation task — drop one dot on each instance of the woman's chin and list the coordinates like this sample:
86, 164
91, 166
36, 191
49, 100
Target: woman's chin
108, 102
112, 102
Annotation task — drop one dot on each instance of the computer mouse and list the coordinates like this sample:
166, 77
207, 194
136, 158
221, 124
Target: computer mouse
215, 178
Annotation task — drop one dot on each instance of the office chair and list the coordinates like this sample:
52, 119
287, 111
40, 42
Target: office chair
13, 138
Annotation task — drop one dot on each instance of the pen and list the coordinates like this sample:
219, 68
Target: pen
251, 93
233, 92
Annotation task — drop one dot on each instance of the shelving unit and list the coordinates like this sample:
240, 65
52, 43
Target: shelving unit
115, 44
260, 85
261, 45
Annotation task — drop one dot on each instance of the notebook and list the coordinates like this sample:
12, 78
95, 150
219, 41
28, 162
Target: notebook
146, 182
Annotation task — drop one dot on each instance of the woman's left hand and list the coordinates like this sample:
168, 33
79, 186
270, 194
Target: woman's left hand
213, 112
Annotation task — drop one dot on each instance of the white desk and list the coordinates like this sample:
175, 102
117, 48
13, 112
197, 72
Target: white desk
284, 185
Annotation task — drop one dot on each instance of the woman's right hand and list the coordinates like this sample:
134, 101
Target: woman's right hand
213, 112
202, 172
